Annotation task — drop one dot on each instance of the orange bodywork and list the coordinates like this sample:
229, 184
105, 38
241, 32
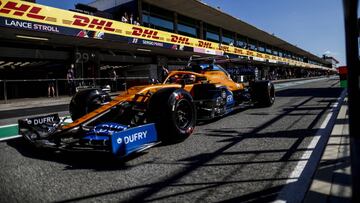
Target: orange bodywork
215, 77
220, 77
139, 93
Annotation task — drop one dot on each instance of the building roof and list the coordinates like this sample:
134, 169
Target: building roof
331, 58
201, 11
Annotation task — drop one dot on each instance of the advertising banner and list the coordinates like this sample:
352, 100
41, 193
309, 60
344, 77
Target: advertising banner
30, 16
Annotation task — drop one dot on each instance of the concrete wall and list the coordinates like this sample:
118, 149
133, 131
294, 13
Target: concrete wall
149, 70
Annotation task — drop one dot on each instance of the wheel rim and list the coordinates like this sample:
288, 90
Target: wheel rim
183, 114
272, 94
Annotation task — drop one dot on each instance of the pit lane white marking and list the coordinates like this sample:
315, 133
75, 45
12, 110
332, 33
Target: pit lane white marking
68, 120
9, 138
326, 121
300, 178
6, 126
290, 84
307, 154
335, 105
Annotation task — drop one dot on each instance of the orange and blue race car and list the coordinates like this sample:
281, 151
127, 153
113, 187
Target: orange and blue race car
147, 115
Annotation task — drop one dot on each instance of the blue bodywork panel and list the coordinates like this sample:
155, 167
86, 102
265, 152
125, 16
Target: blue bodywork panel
133, 139
230, 102
123, 140
103, 131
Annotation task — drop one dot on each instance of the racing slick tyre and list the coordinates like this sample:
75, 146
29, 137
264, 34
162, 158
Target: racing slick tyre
174, 114
263, 93
86, 101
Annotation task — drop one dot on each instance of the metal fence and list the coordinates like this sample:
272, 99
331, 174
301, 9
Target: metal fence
32, 88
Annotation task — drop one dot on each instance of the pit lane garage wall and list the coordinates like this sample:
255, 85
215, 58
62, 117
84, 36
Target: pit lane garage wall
35, 17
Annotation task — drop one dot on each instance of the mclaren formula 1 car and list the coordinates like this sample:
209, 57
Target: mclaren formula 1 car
146, 115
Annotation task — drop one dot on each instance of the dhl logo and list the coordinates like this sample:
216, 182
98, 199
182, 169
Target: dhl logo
31, 11
20, 9
205, 44
179, 39
250, 53
144, 33
84, 21
224, 48
238, 51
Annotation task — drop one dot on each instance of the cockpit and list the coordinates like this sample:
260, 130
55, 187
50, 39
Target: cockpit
184, 77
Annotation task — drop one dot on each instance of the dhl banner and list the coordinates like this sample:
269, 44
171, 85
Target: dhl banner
24, 15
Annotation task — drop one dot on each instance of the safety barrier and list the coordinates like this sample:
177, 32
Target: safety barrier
31, 88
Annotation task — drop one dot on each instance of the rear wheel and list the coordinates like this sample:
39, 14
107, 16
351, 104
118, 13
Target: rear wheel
263, 93
173, 112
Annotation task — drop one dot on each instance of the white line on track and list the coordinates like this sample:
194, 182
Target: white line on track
9, 138
6, 126
295, 174
336, 104
300, 178
326, 121
290, 84
67, 120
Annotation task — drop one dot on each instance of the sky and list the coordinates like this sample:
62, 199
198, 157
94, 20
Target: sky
314, 25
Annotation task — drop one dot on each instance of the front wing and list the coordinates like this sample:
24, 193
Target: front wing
46, 131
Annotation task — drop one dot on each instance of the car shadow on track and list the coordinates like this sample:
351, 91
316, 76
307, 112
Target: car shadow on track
99, 161
309, 92
206, 122
206, 186
233, 138
339, 178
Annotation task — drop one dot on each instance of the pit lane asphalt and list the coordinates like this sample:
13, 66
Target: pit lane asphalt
244, 157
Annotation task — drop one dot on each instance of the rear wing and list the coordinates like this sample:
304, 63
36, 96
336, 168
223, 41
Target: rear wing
209, 59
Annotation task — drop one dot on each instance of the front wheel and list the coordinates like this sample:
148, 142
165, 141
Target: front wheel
173, 112
86, 101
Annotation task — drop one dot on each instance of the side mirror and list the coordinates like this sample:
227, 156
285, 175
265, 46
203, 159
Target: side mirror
153, 81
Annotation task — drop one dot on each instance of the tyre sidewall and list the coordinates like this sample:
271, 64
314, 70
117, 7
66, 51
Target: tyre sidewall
263, 93
83, 102
162, 111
